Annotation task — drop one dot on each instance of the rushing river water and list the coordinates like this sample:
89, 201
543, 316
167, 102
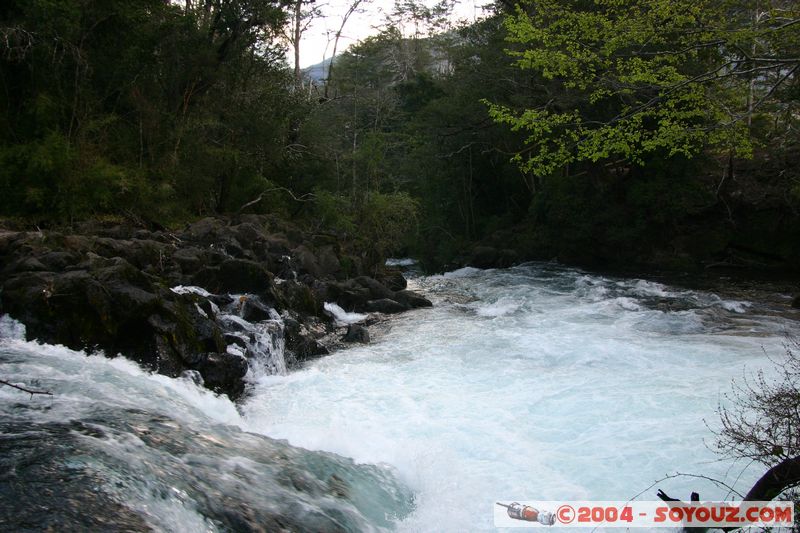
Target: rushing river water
536, 382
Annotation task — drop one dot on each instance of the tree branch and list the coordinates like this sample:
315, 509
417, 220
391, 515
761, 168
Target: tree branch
23, 389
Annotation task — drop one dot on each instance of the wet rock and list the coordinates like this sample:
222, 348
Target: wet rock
253, 309
356, 333
301, 342
393, 279
109, 290
385, 305
375, 287
223, 372
412, 299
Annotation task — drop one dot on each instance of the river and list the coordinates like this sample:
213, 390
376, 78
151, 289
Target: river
533, 383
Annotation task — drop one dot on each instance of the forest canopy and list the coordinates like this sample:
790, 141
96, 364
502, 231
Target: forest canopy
629, 132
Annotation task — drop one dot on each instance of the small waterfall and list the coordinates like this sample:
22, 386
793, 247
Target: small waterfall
260, 341
252, 329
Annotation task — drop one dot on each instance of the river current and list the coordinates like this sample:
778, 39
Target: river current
532, 383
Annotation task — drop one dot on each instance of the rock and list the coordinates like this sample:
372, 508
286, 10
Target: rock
194, 376
299, 297
412, 299
300, 342
385, 305
58, 260
484, 257
108, 290
27, 264
356, 333
796, 302
249, 235
306, 261
237, 276
348, 294
328, 262
393, 279
376, 288
254, 310
190, 259
223, 372
489, 257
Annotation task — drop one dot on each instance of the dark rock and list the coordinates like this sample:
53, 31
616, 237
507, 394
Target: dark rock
796, 302
235, 275
376, 288
347, 294
299, 297
490, 257
207, 231
393, 279
238, 340
27, 264
58, 260
248, 235
254, 310
412, 299
108, 290
484, 257
300, 342
328, 262
306, 261
356, 333
221, 300
223, 372
190, 259
385, 305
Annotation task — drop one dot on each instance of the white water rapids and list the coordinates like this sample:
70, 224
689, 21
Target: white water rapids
533, 383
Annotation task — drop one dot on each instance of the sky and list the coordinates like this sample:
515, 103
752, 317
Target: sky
317, 41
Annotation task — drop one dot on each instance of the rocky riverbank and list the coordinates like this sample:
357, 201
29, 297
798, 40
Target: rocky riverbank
118, 289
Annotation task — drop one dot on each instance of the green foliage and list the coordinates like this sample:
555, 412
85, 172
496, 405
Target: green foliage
334, 211
145, 108
386, 219
638, 77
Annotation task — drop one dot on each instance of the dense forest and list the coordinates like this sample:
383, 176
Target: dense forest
638, 133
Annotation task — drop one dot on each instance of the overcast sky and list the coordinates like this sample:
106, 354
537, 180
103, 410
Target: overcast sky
319, 36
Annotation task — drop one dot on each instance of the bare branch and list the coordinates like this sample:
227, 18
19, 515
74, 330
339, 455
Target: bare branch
24, 389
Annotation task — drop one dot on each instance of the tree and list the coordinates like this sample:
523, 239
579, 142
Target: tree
638, 77
352, 9
760, 423
303, 14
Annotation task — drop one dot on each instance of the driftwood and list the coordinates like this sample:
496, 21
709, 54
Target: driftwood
23, 389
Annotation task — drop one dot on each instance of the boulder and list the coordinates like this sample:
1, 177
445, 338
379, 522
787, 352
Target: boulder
253, 309
393, 279
412, 299
237, 276
301, 342
385, 305
223, 372
356, 333
484, 257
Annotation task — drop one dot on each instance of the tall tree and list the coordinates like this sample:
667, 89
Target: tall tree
645, 76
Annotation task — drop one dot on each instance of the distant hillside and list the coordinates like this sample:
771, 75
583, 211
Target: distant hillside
318, 71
